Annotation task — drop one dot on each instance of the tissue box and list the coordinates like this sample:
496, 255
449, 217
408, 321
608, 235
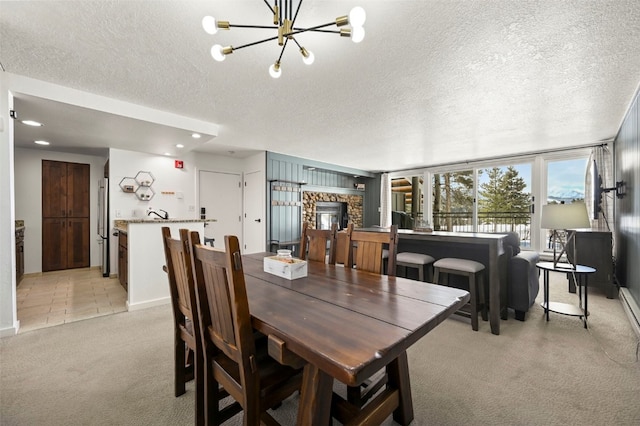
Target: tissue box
288, 268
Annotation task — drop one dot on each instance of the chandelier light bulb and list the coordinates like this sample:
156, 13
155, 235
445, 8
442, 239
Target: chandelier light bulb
350, 26
357, 34
210, 24
357, 16
307, 56
275, 71
217, 53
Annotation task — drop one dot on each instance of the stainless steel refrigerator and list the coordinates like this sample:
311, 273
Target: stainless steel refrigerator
103, 224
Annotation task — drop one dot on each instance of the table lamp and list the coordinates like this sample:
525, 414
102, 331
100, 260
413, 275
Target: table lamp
563, 220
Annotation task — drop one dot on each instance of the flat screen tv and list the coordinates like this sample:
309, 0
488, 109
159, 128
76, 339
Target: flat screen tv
597, 190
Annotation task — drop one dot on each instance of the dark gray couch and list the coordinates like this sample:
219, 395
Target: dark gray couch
522, 276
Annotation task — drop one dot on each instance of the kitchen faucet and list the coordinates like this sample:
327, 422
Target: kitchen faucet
165, 216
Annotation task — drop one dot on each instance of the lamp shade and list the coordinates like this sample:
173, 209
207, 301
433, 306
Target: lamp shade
565, 216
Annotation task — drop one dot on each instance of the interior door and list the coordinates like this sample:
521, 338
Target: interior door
254, 213
220, 196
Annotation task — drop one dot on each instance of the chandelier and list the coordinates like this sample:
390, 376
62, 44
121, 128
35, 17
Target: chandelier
284, 20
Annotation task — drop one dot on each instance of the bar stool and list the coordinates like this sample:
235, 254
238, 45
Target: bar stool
416, 261
474, 271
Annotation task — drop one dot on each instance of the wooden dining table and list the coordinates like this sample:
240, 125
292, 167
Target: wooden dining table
346, 325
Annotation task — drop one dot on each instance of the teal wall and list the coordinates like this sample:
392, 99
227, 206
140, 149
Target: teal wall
627, 155
287, 174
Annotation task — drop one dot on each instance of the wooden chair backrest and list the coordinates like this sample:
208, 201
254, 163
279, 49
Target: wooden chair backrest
313, 243
181, 284
225, 321
368, 255
341, 247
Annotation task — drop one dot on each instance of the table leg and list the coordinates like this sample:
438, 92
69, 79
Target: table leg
398, 374
586, 306
314, 407
546, 293
494, 294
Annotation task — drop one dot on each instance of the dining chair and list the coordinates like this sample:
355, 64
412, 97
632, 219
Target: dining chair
187, 343
232, 358
370, 248
314, 244
366, 251
341, 244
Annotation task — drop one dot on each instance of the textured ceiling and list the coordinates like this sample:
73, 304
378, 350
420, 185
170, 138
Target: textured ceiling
433, 82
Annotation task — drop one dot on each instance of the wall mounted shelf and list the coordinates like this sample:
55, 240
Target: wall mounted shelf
139, 185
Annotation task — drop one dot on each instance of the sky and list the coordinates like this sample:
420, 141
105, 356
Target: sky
564, 176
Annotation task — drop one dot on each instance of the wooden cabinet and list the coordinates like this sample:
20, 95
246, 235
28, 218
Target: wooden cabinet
593, 248
123, 260
78, 242
54, 244
19, 255
65, 189
65, 215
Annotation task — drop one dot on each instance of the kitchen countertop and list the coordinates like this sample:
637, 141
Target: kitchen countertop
122, 224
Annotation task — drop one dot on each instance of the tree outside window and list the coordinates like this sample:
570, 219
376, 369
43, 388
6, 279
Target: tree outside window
504, 203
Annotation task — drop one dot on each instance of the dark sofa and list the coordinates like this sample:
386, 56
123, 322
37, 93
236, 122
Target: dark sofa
522, 276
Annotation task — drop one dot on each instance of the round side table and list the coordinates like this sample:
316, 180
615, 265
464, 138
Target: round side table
581, 274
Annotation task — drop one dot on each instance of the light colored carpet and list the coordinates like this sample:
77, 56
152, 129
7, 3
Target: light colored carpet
117, 370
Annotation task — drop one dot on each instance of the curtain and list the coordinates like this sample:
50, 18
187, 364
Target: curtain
385, 200
601, 159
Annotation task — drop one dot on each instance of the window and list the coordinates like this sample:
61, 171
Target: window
453, 201
494, 196
565, 184
504, 200
406, 201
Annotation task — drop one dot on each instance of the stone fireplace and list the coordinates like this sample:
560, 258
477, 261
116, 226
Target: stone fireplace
353, 204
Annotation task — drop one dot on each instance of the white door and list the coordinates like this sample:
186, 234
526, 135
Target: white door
220, 196
254, 213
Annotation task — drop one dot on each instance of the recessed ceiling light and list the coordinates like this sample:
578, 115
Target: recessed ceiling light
167, 153
196, 136
31, 123
42, 142
179, 145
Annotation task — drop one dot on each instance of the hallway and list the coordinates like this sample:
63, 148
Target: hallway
60, 297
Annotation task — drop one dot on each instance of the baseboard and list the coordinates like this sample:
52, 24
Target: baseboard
61, 271
148, 304
10, 331
631, 308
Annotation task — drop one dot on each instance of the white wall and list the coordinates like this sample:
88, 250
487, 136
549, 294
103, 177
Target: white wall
180, 205
28, 196
148, 285
8, 319
174, 188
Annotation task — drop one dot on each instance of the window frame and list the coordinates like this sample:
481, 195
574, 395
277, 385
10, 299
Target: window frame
539, 182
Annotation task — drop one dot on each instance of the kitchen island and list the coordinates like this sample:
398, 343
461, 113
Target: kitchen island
147, 284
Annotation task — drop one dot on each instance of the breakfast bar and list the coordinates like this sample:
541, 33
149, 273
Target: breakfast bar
485, 248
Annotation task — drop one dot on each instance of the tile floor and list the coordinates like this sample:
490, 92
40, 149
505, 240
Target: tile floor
60, 297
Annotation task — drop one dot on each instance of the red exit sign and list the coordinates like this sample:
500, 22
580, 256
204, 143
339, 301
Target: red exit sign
179, 164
